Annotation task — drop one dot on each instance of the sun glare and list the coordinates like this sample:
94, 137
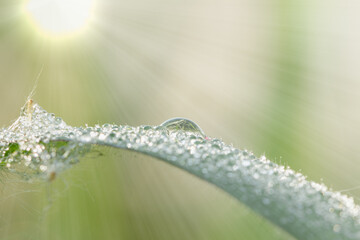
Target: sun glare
60, 17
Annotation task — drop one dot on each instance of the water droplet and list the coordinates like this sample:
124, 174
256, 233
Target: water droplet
337, 228
246, 163
183, 124
58, 120
147, 127
43, 168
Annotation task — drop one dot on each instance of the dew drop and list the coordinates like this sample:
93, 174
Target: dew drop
337, 228
147, 127
43, 168
246, 163
183, 124
58, 120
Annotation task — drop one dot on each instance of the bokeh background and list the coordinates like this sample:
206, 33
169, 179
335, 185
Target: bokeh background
278, 77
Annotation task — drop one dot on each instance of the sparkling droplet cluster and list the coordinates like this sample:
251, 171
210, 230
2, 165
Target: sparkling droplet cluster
29, 147
43, 145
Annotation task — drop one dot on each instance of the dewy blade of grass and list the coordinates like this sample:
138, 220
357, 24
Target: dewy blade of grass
40, 145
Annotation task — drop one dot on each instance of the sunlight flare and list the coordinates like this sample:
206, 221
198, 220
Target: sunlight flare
60, 17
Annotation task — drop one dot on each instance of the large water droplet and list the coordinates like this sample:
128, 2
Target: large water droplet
183, 124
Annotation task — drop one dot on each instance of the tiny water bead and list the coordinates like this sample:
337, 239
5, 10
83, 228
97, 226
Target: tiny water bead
183, 124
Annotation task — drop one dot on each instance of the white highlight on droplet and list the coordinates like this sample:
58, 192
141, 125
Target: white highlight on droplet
43, 168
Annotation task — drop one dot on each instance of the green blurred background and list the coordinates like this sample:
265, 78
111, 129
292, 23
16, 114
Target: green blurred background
280, 78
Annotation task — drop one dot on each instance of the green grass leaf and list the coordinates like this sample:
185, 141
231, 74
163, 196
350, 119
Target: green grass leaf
39, 146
